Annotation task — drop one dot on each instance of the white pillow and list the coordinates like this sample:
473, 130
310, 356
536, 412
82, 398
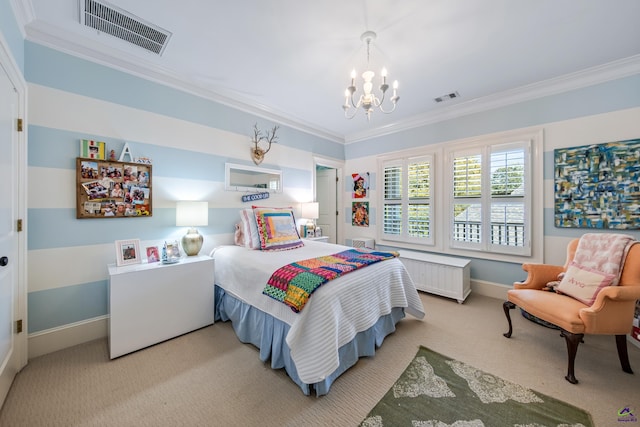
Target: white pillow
583, 283
250, 229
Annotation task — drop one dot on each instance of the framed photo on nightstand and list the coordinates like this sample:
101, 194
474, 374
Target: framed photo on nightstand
153, 255
128, 252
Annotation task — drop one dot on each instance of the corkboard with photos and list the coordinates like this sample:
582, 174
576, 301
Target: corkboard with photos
112, 189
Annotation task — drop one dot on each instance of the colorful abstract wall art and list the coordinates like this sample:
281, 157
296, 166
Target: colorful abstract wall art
360, 185
596, 186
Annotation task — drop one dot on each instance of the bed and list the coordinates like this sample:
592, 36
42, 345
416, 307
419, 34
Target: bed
343, 320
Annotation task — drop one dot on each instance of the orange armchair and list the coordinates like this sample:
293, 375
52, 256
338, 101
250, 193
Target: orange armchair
611, 313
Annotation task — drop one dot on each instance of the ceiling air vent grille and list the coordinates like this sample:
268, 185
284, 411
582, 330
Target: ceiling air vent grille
447, 97
122, 24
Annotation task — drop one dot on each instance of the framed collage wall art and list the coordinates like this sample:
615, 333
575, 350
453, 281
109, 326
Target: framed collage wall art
360, 207
112, 189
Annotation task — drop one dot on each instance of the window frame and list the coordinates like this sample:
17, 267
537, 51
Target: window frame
486, 200
441, 189
404, 162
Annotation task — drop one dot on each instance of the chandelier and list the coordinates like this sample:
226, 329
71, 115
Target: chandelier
368, 100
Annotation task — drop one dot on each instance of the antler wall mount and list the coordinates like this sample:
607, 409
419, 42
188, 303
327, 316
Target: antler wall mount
257, 152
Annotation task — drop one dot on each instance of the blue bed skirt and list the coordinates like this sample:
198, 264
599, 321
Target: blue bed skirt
269, 335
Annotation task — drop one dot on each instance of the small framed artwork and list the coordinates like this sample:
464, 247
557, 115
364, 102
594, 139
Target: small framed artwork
152, 254
360, 185
90, 149
360, 214
128, 252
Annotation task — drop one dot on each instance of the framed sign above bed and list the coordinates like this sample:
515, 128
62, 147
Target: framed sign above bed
111, 189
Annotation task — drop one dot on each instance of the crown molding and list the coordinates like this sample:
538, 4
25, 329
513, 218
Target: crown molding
53, 38
24, 13
150, 70
591, 76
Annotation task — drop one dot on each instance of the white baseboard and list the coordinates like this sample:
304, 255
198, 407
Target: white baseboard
55, 339
490, 289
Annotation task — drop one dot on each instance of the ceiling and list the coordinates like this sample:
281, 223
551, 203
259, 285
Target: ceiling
289, 61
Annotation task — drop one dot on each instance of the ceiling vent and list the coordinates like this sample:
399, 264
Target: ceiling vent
447, 97
124, 25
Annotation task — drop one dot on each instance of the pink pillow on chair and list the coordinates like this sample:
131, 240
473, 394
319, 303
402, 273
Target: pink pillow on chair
583, 283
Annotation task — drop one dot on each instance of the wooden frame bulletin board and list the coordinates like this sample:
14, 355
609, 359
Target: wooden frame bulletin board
110, 189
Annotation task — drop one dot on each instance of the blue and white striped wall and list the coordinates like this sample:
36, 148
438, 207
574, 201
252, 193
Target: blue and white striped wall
188, 139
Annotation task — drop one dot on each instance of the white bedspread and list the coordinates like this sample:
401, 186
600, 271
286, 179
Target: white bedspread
335, 312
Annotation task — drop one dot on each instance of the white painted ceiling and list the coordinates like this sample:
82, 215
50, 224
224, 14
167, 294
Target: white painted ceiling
289, 60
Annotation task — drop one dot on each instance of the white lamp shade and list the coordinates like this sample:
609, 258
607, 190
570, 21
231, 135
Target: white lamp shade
310, 210
192, 214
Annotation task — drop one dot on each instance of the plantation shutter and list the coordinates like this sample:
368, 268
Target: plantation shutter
419, 203
392, 214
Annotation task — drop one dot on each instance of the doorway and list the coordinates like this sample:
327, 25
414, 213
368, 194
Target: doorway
327, 189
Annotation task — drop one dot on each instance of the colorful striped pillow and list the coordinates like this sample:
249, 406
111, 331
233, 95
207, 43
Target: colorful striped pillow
277, 229
250, 229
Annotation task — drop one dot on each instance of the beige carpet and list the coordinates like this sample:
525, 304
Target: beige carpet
208, 378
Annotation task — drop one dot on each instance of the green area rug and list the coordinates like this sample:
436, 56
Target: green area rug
435, 391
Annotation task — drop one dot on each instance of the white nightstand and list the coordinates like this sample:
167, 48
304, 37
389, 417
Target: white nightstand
324, 239
150, 303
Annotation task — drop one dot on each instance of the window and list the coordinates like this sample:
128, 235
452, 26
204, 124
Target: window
407, 214
489, 198
478, 198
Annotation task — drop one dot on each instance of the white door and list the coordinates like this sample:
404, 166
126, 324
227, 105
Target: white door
10, 358
326, 196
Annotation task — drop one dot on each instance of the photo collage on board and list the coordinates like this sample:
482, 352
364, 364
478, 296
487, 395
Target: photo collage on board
114, 189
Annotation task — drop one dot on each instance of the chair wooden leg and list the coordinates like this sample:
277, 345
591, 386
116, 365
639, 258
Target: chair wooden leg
623, 355
506, 306
572, 341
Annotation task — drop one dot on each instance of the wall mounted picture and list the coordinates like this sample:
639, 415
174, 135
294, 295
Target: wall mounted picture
360, 214
90, 149
360, 185
128, 252
596, 186
112, 189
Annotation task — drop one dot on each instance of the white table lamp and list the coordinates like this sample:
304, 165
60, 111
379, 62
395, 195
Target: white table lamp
192, 215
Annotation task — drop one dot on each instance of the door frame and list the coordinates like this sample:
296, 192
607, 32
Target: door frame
9, 65
338, 165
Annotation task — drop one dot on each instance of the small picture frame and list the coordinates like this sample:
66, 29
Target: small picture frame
153, 255
90, 149
128, 252
311, 232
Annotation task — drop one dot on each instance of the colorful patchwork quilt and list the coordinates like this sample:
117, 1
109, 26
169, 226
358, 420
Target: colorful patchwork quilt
294, 283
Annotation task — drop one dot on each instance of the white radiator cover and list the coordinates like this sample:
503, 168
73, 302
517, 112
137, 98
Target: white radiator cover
360, 242
440, 275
